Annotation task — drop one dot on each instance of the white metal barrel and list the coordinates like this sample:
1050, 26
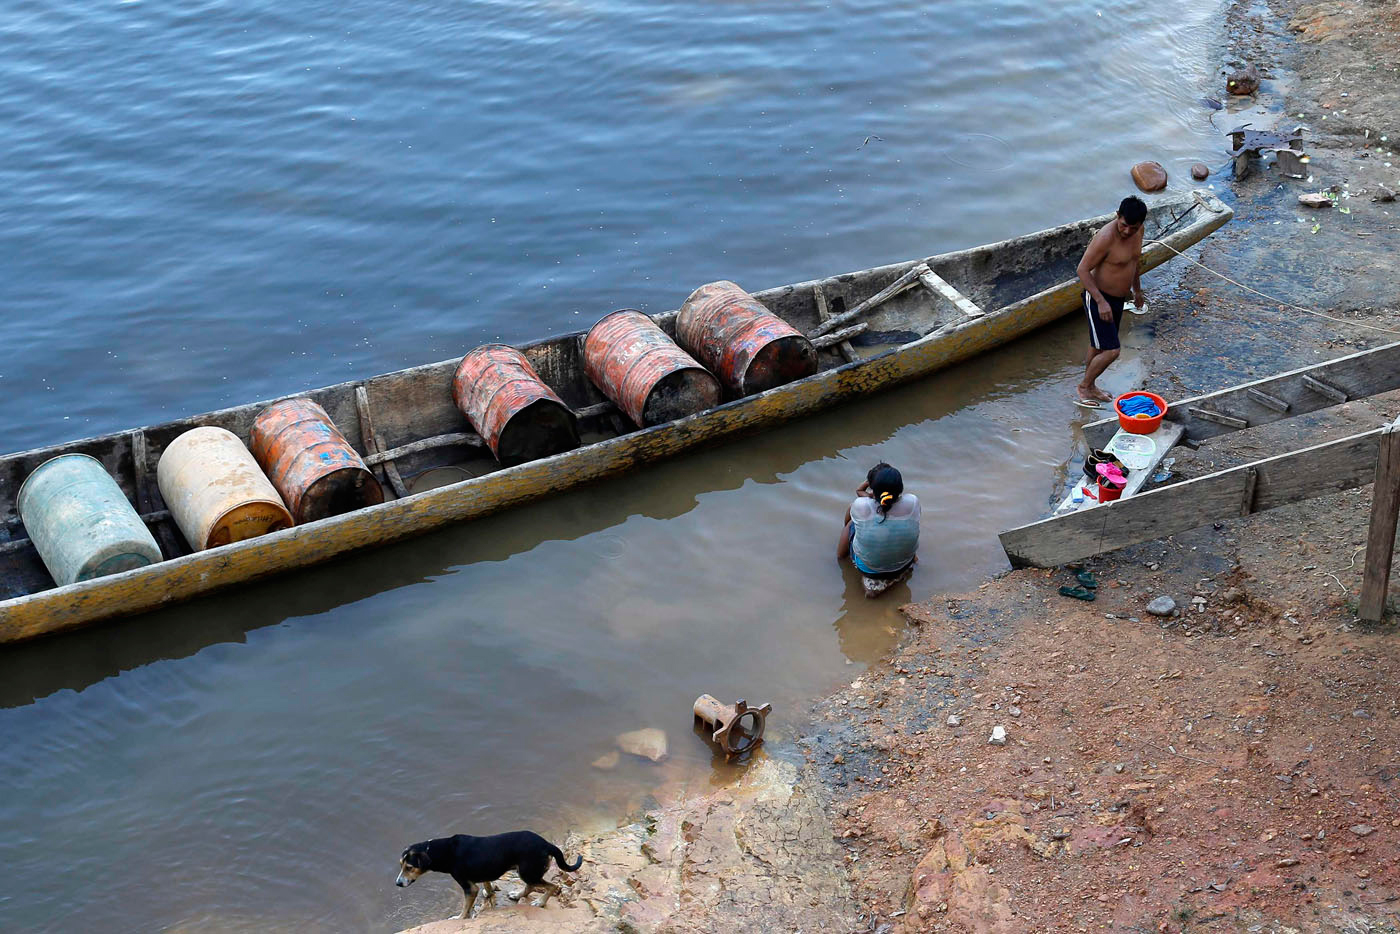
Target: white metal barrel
216, 491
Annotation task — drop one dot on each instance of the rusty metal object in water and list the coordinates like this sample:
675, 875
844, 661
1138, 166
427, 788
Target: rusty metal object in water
748, 347
1243, 138
736, 727
637, 366
1287, 147
310, 463
515, 412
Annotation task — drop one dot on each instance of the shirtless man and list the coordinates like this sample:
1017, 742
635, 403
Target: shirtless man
1109, 270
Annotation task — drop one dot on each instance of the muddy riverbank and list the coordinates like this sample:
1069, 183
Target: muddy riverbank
1234, 767
1230, 768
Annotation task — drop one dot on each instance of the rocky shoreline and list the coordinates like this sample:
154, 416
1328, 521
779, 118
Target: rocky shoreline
1234, 766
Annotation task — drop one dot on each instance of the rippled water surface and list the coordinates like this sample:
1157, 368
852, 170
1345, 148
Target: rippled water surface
207, 203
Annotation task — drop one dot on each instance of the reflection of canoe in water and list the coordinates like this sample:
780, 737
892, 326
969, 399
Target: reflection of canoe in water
437, 471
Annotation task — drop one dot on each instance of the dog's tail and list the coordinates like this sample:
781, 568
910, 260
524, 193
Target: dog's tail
558, 855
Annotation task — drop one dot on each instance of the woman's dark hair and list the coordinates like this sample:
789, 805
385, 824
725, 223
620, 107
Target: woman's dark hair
887, 486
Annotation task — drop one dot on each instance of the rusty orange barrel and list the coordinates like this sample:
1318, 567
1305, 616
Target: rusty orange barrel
748, 347
306, 457
508, 404
637, 366
215, 490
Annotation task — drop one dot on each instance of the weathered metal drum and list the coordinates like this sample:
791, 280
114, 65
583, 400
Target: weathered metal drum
215, 491
81, 522
517, 414
638, 367
315, 469
748, 347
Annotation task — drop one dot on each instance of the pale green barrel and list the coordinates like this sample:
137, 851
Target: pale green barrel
81, 522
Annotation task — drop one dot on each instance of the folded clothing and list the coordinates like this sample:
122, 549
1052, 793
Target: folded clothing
1139, 405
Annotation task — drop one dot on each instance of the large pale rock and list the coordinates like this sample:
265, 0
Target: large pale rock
948, 885
649, 743
1150, 176
519, 919
757, 855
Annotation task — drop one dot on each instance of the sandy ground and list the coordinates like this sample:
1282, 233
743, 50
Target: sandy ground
1233, 767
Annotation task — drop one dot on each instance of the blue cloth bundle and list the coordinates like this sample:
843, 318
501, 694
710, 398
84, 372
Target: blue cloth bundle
1139, 405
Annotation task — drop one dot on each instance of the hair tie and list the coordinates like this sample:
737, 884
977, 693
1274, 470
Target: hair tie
885, 498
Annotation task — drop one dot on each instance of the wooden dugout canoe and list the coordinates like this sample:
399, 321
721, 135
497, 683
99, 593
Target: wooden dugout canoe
406, 425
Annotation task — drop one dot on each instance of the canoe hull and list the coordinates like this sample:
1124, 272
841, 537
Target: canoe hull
179, 579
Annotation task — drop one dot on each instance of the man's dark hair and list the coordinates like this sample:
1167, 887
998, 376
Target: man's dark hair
1132, 210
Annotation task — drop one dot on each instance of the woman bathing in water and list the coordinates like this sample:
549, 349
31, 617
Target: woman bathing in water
881, 532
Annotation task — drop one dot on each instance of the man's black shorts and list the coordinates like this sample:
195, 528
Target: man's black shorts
1103, 334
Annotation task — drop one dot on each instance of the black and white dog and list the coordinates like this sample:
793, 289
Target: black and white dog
471, 860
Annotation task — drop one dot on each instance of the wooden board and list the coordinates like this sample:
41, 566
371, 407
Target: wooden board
1380, 540
934, 283
1357, 375
847, 351
1266, 484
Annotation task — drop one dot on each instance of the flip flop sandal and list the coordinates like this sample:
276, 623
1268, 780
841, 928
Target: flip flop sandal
1094, 404
1097, 457
1078, 593
1086, 578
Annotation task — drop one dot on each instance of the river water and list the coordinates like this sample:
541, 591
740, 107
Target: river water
207, 203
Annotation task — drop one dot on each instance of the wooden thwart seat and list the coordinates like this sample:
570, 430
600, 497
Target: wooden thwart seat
842, 337
919, 273
170, 542
903, 282
938, 286
373, 445
377, 456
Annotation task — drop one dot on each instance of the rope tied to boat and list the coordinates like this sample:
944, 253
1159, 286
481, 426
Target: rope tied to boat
1370, 327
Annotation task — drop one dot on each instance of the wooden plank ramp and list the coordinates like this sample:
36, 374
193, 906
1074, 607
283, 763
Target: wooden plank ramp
1297, 392
1239, 491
